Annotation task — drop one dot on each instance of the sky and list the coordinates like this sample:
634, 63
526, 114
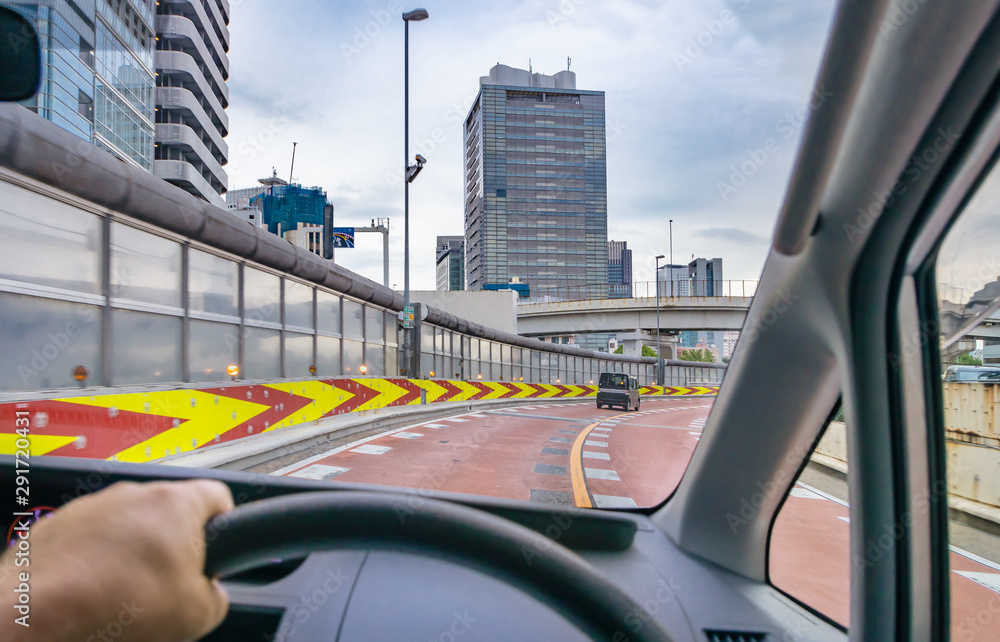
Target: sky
705, 106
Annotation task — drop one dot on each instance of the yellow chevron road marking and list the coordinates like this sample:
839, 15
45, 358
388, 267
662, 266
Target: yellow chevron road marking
324, 399
468, 390
206, 415
550, 391
39, 444
524, 390
389, 392
434, 390
499, 390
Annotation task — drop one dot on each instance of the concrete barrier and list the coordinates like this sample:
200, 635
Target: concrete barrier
973, 475
148, 424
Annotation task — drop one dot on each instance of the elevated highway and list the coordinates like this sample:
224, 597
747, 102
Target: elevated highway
622, 315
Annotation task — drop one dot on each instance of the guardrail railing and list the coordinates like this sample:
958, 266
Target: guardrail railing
649, 289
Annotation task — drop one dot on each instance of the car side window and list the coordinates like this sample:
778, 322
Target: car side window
809, 547
967, 275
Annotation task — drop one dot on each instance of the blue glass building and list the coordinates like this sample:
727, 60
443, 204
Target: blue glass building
143, 79
98, 73
283, 207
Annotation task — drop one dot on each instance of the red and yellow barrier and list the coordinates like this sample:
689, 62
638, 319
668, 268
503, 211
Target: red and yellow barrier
142, 426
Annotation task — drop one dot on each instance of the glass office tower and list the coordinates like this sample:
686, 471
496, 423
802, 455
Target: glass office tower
535, 183
143, 79
98, 77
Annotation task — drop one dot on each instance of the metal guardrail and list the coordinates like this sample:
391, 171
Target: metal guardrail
649, 289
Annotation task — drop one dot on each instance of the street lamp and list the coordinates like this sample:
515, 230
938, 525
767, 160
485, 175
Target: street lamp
659, 361
671, 257
410, 173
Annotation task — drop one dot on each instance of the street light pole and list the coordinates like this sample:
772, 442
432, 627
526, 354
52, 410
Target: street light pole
408, 176
659, 359
671, 268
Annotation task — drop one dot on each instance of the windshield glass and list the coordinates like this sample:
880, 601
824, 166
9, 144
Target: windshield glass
584, 188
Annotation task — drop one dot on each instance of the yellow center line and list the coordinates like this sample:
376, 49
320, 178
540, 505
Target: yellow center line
581, 496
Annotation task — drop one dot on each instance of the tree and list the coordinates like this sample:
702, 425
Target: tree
968, 360
646, 351
697, 354
725, 360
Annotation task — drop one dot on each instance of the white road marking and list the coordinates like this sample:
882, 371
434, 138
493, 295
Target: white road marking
601, 473
438, 426
319, 472
805, 493
592, 455
456, 419
611, 501
315, 458
408, 435
588, 442
370, 449
989, 580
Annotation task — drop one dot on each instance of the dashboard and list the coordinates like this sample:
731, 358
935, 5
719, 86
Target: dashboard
384, 588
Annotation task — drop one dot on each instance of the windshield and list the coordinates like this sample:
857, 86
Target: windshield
583, 189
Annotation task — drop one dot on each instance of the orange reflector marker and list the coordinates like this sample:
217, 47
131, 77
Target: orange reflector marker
232, 370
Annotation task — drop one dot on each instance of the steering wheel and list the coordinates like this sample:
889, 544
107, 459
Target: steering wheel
328, 520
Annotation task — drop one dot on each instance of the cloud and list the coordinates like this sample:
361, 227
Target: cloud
732, 235
335, 70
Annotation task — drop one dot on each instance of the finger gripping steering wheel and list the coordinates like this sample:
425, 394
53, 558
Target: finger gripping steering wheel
337, 520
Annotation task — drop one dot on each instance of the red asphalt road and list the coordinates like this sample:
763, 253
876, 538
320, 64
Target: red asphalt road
631, 459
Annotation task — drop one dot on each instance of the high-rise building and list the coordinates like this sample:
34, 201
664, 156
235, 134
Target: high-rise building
450, 262
192, 67
285, 207
706, 277
98, 80
143, 79
673, 280
535, 183
619, 270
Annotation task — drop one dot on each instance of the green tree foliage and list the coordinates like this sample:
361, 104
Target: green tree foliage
697, 354
646, 351
968, 360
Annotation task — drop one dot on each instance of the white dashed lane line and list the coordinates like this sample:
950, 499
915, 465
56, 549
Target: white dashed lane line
370, 449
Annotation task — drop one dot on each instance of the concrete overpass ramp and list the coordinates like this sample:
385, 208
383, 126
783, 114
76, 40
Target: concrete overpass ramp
623, 315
